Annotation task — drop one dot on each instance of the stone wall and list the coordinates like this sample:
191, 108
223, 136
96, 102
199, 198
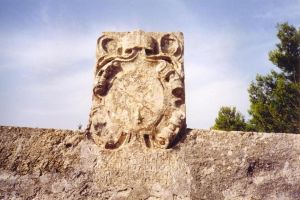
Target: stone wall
64, 164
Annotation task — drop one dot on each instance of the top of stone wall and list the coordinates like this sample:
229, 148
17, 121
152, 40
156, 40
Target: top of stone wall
214, 165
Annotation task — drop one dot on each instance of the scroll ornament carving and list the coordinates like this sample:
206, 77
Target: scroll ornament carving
138, 89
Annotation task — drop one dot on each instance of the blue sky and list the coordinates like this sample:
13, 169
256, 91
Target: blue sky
48, 52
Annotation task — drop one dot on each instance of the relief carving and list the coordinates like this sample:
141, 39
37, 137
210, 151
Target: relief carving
138, 90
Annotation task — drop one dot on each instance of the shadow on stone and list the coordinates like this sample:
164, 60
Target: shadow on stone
180, 137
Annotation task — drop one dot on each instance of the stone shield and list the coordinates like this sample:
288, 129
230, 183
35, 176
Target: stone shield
138, 90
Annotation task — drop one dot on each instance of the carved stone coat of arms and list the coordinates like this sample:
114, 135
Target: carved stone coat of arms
138, 89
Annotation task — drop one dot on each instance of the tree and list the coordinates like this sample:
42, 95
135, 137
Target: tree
275, 98
274, 104
229, 120
287, 55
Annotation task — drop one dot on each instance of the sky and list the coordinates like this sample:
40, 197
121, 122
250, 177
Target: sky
47, 52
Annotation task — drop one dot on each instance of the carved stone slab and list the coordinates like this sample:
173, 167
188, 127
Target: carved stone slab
138, 90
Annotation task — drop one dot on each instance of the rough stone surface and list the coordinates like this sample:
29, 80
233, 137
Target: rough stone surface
63, 164
138, 89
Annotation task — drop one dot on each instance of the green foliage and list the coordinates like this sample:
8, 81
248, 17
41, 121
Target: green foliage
275, 98
275, 105
229, 120
287, 54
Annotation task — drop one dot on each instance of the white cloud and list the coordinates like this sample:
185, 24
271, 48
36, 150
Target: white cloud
48, 53
204, 102
57, 91
62, 102
213, 78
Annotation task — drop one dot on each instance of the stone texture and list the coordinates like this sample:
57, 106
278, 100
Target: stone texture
138, 89
63, 164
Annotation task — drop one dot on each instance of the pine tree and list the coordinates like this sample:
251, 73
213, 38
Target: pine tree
287, 55
229, 120
275, 98
275, 104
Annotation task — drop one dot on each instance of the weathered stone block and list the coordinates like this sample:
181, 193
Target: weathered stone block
138, 89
